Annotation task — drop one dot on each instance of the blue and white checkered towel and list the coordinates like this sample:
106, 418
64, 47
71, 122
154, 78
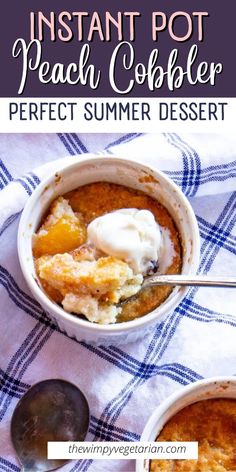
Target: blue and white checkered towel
124, 384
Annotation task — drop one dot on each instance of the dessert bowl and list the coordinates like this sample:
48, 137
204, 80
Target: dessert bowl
206, 389
134, 175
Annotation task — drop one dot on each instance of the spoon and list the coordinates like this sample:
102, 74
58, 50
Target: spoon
52, 410
183, 280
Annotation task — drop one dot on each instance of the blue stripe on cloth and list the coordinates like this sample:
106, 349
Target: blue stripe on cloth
140, 369
191, 164
12, 386
226, 222
186, 170
221, 238
165, 334
64, 140
122, 356
7, 466
21, 298
195, 311
82, 466
157, 346
81, 148
35, 177
72, 143
203, 318
194, 177
8, 222
22, 359
28, 182
6, 171
108, 432
5, 176
209, 251
31, 181
3, 181
25, 185
161, 330
123, 139
218, 173
117, 357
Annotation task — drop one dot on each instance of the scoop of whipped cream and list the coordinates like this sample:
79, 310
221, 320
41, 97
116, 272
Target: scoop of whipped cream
129, 234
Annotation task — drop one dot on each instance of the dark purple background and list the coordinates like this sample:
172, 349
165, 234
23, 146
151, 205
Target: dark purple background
218, 46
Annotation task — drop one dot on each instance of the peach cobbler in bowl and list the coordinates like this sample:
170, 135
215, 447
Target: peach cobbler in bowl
212, 423
88, 236
203, 412
96, 245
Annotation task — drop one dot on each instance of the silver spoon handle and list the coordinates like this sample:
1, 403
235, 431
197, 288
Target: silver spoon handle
196, 280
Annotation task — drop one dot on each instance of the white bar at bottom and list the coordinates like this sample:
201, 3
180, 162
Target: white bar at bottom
122, 450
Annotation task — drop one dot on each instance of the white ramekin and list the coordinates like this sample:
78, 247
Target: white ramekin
133, 174
215, 387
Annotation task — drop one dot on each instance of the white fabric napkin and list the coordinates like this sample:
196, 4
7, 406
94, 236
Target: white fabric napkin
123, 384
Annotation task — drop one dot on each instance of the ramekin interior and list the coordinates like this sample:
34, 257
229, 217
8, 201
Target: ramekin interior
215, 387
121, 171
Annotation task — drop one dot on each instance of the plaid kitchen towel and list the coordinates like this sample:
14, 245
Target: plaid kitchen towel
123, 384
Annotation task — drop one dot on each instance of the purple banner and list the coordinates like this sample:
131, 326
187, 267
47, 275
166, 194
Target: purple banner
117, 48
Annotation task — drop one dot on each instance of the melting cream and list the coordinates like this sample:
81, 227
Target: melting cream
129, 234
167, 251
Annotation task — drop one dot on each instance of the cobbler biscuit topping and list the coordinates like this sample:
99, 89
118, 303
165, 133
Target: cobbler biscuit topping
89, 282
91, 252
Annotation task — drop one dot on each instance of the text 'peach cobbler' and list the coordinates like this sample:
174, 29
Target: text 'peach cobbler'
212, 423
96, 245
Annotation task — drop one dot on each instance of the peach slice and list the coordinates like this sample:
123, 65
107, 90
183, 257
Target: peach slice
66, 234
